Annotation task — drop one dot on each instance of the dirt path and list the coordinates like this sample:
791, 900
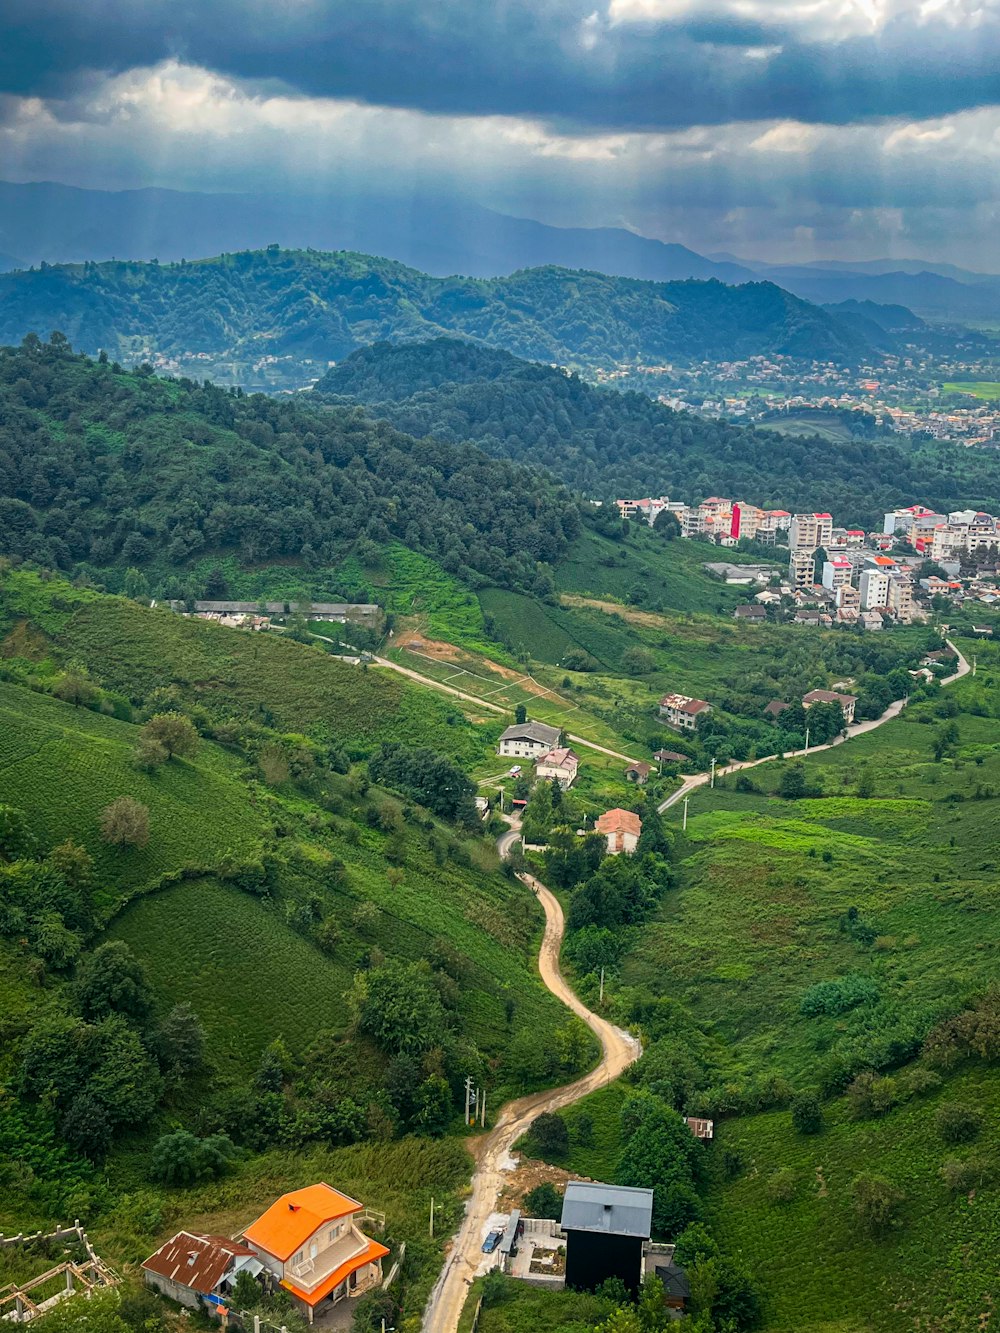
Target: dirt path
618, 1051
857, 729
494, 708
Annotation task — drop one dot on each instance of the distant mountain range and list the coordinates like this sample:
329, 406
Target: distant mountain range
320, 307
439, 235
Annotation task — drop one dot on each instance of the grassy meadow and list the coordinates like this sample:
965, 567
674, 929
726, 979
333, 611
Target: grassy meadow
819, 1271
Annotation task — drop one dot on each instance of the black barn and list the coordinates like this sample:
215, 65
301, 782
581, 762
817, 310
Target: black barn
606, 1227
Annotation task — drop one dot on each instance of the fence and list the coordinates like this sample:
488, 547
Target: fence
475, 1317
26, 1300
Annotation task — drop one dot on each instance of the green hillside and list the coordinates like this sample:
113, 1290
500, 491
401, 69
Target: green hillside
316, 306
610, 444
235, 679
311, 963
105, 470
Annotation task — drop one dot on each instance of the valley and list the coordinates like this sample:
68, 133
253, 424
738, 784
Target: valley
314, 951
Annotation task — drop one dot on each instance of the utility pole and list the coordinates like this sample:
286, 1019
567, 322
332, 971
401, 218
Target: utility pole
685, 824
712, 782
807, 740
482, 1107
602, 985
468, 1096
973, 664
432, 1218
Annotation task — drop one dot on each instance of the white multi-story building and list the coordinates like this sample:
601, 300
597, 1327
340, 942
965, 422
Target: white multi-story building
874, 587
836, 572
682, 712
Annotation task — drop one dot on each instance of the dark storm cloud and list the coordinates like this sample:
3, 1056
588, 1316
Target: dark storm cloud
562, 61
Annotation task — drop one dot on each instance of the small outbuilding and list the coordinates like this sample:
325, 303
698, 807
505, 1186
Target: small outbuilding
639, 773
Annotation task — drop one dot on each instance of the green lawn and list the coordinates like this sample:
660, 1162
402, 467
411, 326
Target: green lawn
989, 390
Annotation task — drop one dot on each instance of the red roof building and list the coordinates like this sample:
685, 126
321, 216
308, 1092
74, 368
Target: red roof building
621, 828
195, 1269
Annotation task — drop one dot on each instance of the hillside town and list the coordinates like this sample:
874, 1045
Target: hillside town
920, 562
912, 394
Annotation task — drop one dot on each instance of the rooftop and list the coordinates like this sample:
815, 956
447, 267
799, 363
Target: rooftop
196, 1260
619, 821
828, 697
334, 1264
558, 759
293, 1218
532, 731
683, 703
614, 1210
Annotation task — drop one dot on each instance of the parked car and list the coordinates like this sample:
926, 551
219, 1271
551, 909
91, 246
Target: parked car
512, 773
492, 1241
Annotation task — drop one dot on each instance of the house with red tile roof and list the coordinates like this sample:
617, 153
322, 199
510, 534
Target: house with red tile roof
621, 828
199, 1270
682, 712
311, 1242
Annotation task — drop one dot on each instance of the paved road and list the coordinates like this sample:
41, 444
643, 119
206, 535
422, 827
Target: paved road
618, 1051
857, 729
494, 708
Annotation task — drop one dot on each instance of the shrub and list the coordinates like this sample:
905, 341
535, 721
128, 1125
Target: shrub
111, 980
807, 1113
174, 732
543, 1201
839, 996
962, 1176
877, 1202
182, 1159
870, 1096
549, 1135
957, 1123
125, 823
781, 1185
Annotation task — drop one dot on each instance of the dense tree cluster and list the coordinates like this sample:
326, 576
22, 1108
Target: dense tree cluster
606, 443
100, 468
428, 777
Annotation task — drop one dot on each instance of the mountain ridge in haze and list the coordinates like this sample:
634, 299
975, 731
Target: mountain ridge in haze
52, 223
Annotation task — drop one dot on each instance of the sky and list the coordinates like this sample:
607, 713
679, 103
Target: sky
785, 130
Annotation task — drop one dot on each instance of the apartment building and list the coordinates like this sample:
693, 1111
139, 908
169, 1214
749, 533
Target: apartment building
801, 569
808, 531
837, 571
874, 587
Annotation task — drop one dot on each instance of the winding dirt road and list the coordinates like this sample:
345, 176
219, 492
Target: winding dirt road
618, 1050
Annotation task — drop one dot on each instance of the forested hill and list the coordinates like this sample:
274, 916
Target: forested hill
605, 443
322, 306
103, 467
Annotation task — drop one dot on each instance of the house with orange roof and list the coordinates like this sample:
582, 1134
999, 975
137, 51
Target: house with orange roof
621, 828
311, 1242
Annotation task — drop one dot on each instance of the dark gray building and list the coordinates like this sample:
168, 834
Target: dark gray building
606, 1227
